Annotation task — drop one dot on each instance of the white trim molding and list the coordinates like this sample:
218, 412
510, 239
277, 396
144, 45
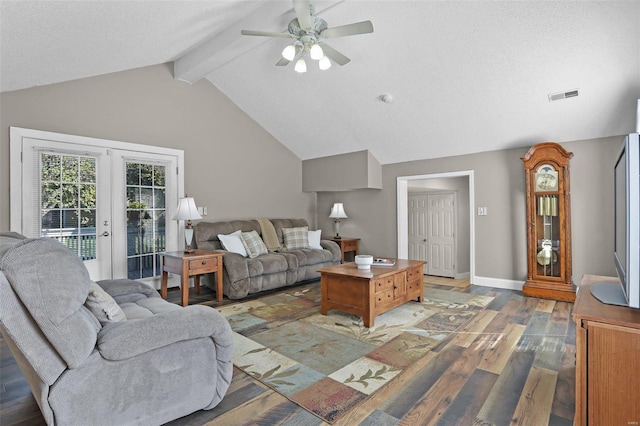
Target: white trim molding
499, 283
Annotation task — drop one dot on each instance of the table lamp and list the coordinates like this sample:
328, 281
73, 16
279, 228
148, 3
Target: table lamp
337, 212
188, 211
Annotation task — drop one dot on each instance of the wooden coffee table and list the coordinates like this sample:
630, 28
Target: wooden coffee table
368, 293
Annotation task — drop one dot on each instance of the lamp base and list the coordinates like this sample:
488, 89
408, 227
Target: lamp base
189, 250
337, 237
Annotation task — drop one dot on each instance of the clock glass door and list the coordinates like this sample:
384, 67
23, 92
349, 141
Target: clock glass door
547, 228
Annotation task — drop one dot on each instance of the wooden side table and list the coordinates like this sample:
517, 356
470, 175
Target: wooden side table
188, 265
346, 245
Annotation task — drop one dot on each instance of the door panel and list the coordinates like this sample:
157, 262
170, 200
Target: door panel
441, 235
66, 197
418, 227
143, 213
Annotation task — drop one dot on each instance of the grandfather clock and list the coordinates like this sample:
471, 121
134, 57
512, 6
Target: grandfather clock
546, 168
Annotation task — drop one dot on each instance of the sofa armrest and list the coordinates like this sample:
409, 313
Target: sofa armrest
333, 247
127, 339
125, 290
236, 266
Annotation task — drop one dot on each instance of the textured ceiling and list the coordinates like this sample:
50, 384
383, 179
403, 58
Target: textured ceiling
464, 76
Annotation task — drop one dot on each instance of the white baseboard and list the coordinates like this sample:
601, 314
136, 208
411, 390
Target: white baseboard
462, 276
498, 283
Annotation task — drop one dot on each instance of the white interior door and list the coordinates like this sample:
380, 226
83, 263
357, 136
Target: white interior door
418, 227
441, 226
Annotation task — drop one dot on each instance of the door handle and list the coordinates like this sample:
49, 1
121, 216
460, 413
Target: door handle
104, 234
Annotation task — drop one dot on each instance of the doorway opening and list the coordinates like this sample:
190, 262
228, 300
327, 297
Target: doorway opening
403, 185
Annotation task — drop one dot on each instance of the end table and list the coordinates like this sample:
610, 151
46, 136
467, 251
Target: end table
188, 265
346, 245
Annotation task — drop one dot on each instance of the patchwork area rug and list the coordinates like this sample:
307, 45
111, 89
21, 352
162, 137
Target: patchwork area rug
329, 364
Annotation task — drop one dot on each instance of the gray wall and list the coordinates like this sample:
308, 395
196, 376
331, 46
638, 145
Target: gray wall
233, 166
500, 238
238, 170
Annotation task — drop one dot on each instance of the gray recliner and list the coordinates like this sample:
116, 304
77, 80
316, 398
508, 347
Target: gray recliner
160, 363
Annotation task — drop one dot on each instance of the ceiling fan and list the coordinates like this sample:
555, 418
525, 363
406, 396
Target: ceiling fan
308, 31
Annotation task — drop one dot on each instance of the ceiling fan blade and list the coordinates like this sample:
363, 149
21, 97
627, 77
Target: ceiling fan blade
265, 34
333, 54
282, 62
363, 27
303, 13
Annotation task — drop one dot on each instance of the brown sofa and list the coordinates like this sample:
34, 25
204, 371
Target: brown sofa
244, 275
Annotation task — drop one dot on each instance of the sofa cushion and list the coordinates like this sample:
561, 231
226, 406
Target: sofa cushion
253, 244
296, 238
267, 264
233, 243
102, 305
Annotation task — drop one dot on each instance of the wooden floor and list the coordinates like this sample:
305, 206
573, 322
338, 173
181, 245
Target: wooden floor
515, 366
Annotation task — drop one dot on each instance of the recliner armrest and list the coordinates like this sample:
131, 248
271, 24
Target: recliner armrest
126, 290
127, 339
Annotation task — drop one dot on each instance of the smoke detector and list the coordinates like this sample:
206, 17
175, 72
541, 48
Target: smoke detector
563, 95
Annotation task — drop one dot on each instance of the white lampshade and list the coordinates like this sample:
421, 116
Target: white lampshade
316, 52
324, 63
187, 210
289, 52
301, 66
337, 211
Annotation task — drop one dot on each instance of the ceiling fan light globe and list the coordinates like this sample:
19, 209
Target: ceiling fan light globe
289, 52
301, 66
316, 52
324, 63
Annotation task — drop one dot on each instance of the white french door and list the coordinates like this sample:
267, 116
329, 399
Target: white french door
107, 201
142, 226
65, 194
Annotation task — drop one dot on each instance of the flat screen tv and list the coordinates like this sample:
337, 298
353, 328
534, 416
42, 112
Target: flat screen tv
626, 254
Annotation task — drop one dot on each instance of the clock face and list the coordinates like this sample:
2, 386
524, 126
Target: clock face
546, 179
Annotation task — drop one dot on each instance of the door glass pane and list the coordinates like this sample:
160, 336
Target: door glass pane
68, 201
146, 201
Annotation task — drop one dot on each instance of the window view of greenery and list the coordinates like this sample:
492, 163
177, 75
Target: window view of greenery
146, 214
68, 201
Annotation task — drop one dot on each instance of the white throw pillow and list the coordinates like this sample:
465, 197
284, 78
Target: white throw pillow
102, 305
233, 243
314, 239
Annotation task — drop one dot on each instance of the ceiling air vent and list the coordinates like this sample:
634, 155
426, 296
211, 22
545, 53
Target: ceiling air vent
563, 95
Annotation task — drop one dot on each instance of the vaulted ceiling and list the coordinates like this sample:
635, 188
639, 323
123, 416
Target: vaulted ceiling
462, 76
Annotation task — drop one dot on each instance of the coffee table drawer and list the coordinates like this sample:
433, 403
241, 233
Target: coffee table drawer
414, 287
384, 284
414, 273
384, 298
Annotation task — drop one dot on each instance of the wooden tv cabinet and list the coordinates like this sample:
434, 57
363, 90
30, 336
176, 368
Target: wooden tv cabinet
607, 359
